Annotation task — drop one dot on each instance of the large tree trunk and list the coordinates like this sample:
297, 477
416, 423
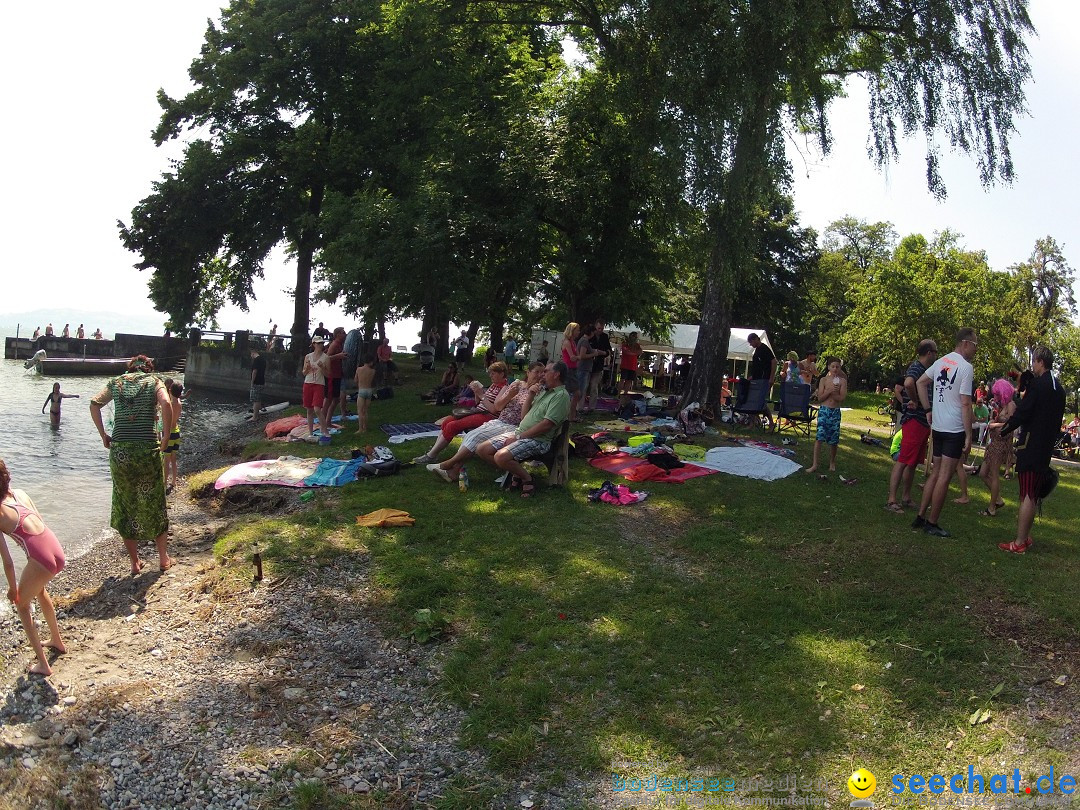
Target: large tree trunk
305, 256
734, 246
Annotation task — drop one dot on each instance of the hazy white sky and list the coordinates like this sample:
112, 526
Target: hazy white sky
76, 156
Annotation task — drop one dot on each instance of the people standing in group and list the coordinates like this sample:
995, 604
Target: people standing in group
947, 386
601, 344
914, 426
80, 333
172, 449
433, 338
1038, 416
365, 381
21, 520
67, 331
321, 332
135, 457
629, 353
587, 356
334, 393
258, 383
831, 392
314, 392
762, 367
386, 365
792, 368
462, 348
54, 399
998, 448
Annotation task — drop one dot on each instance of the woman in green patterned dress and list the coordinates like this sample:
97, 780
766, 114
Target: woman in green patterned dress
139, 512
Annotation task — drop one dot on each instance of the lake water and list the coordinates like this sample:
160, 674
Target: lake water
66, 471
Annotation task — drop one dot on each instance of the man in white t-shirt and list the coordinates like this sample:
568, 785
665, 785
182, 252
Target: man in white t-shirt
945, 393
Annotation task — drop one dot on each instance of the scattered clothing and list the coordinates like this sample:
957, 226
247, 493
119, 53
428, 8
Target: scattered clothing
638, 469
385, 518
616, 495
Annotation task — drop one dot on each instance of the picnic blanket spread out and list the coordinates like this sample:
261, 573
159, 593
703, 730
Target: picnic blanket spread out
638, 469
287, 471
748, 462
386, 517
783, 452
333, 472
409, 431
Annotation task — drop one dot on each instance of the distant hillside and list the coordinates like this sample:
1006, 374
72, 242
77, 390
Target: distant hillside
110, 323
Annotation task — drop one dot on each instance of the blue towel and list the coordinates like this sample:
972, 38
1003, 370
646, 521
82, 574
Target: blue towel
332, 472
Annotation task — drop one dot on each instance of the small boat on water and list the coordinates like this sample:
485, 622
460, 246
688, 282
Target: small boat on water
77, 366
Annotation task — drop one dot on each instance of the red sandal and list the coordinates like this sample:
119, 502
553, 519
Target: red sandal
528, 489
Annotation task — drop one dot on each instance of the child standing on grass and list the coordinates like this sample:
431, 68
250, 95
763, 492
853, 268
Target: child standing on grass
20, 520
365, 379
832, 390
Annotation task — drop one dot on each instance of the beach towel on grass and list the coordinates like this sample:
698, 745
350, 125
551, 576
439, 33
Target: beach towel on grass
333, 472
410, 430
280, 427
287, 471
748, 462
386, 517
638, 469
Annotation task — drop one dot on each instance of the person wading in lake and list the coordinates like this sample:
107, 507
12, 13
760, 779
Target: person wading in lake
135, 451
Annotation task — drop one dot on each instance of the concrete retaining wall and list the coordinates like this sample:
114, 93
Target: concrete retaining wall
230, 370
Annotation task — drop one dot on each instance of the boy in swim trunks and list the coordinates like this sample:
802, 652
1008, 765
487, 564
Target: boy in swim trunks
20, 520
365, 377
55, 398
173, 449
832, 390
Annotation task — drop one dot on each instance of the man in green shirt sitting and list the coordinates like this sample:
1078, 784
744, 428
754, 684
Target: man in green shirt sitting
544, 412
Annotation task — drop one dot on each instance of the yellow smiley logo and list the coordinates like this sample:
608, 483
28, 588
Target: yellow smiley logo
862, 784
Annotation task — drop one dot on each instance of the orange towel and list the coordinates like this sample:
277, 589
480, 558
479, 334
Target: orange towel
385, 517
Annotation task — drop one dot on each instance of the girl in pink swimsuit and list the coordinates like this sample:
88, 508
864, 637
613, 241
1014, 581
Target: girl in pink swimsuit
19, 519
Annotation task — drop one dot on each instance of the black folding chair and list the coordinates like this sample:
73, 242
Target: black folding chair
752, 400
796, 413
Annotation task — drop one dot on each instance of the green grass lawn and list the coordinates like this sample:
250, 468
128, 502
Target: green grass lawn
725, 626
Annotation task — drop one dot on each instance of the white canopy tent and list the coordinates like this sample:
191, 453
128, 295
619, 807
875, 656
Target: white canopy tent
683, 339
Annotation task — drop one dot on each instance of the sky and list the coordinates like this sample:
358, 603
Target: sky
76, 156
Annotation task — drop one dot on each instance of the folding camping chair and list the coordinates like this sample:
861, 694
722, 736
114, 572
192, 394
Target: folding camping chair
795, 413
752, 400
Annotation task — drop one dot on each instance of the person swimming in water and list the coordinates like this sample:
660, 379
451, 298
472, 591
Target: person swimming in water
20, 520
55, 398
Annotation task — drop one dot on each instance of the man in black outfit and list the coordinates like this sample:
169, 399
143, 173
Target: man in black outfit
762, 367
321, 332
258, 380
1039, 419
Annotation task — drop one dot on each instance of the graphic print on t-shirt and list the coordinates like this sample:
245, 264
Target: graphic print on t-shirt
943, 382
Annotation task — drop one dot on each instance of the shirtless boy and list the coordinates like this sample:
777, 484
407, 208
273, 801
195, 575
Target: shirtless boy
55, 398
365, 377
831, 391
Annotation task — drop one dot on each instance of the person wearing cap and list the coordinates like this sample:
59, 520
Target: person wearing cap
315, 384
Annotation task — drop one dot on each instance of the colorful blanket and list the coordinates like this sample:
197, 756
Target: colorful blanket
638, 469
409, 431
287, 471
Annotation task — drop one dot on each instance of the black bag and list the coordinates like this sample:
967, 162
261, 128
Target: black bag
374, 469
585, 446
384, 393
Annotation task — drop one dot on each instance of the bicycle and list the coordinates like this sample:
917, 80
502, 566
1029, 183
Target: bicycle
887, 408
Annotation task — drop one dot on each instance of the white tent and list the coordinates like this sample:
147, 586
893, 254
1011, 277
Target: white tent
683, 339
